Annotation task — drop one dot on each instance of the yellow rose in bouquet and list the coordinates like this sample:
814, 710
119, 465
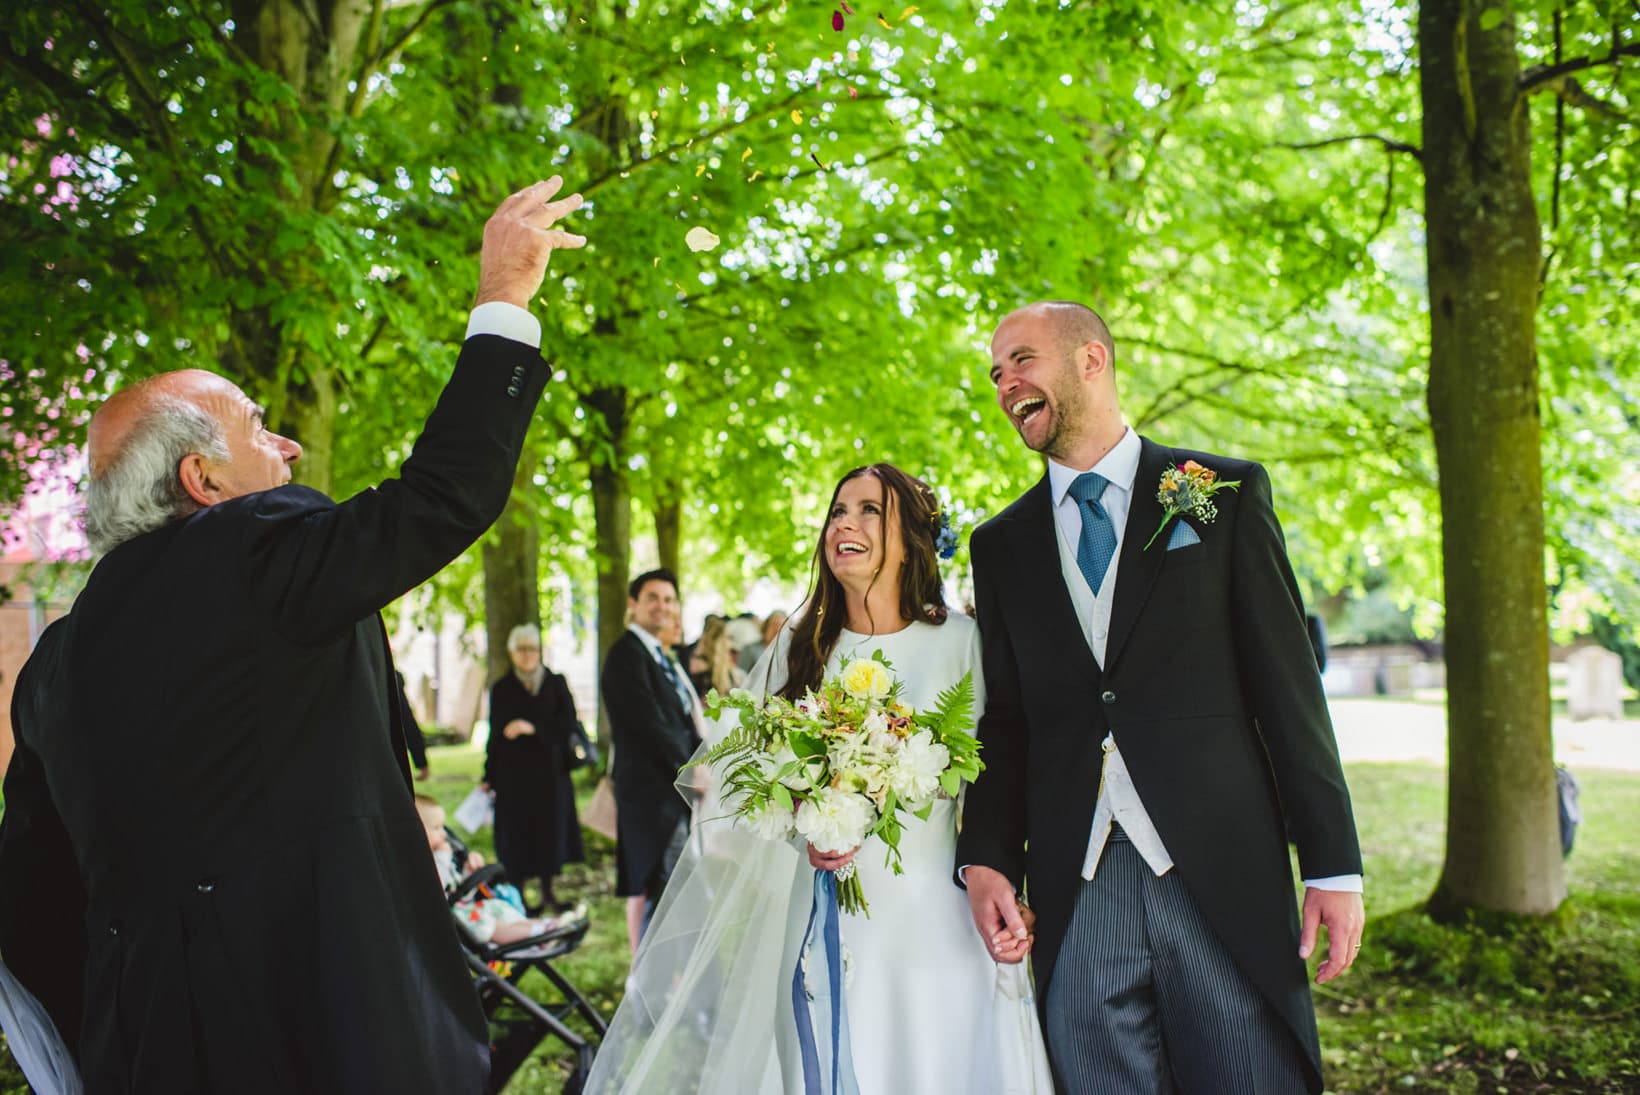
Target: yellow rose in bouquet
867, 678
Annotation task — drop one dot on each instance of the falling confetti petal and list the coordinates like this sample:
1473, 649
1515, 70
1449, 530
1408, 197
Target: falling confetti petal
700, 239
836, 20
746, 155
797, 117
756, 175
908, 13
846, 9
852, 94
886, 24
699, 171
821, 163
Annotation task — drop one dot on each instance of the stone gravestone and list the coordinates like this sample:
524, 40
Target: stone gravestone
1594, 684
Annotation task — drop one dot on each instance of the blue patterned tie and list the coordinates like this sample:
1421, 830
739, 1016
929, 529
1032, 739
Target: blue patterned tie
682, 687
1098, 541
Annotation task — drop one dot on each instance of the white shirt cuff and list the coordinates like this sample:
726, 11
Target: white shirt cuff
1338, 883
497, 317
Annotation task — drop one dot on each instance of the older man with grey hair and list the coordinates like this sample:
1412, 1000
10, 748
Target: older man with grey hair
213, 874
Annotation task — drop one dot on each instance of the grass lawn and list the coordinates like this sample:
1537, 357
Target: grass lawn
1426, 1009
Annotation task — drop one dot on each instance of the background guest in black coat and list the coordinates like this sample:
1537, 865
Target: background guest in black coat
209, 750
651, 709
527, 765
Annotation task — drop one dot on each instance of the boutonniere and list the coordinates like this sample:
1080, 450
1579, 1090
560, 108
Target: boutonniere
1188, 489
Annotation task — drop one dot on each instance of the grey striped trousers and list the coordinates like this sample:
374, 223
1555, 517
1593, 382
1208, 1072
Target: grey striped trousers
1145, 1000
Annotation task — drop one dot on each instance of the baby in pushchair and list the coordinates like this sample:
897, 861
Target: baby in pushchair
493, 912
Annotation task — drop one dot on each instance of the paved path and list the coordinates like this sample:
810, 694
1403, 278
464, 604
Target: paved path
1399, 730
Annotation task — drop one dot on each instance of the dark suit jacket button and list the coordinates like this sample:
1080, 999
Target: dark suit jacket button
113, 927
205, 885
518, 372
1109, 697
512, 390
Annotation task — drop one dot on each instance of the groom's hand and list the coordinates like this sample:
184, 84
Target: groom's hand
1344, 917
997, 914
518, 239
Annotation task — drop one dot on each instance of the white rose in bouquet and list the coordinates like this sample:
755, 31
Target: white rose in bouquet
772, 822
877, 734
915, 776
835, 821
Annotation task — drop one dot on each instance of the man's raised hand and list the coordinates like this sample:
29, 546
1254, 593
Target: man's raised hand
518, 239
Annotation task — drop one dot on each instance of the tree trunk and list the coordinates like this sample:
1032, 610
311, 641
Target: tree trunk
512, 578
319, 50
1502, 844
669, 529
612, 515
311, 410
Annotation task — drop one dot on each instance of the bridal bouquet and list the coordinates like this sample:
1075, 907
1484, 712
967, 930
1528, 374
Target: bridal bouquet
842, 763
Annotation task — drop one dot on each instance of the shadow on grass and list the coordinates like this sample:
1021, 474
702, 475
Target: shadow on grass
1538, 1006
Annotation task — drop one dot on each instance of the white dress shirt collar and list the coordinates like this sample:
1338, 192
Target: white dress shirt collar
656, 647
1119, 466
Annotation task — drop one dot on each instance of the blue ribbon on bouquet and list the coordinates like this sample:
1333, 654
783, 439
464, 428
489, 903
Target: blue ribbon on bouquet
829, 953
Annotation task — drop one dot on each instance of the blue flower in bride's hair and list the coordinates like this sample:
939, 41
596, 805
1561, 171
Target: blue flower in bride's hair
945, 537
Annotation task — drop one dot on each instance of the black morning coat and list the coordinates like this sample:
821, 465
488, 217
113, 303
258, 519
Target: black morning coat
1211, 692
209, 751
652, 737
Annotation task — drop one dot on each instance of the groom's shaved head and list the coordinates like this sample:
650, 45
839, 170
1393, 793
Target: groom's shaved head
1073, 325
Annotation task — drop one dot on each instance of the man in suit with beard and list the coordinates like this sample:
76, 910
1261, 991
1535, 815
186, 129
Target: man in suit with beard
652, 727
1154, 735
210, 754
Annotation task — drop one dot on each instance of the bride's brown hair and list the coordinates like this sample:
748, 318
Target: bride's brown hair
820, 620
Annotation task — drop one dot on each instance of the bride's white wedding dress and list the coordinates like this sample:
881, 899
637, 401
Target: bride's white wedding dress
708, 1007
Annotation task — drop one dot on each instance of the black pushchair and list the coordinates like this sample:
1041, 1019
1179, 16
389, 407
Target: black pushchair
518, 1022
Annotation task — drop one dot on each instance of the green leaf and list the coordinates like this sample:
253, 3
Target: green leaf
1491, 19
807, 745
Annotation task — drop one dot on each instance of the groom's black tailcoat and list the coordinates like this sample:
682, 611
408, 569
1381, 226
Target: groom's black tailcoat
1211, 692
209, 751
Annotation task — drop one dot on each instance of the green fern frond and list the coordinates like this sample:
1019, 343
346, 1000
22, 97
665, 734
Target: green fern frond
953, 711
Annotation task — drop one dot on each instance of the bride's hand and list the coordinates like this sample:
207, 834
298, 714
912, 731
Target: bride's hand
1009, 948
830, 861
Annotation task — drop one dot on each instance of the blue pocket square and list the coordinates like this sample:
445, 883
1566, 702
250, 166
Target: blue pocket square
1183, 536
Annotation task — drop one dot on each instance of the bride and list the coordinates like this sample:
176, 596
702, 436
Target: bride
709, 1004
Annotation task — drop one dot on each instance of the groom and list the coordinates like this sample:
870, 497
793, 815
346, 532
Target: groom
1154, 736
